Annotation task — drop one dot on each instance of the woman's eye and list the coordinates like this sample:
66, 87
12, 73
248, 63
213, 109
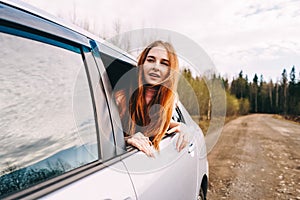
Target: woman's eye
165, 63
150, 60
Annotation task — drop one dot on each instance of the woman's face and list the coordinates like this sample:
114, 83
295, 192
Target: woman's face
156, 66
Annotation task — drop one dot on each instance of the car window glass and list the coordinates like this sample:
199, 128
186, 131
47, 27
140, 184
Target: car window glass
47, 121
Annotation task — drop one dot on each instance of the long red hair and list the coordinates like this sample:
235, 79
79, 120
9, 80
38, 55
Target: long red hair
157, 124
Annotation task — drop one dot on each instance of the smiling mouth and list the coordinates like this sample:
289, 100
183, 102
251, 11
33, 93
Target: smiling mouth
154, 75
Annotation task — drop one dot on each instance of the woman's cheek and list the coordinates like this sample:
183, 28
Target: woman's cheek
166, 73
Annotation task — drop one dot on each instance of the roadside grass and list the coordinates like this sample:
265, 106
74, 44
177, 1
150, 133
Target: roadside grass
292, 118
230, 118
204, 123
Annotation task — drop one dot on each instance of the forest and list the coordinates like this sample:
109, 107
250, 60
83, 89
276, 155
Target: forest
244, 95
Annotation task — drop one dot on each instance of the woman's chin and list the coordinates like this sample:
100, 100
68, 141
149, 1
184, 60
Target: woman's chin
153, 83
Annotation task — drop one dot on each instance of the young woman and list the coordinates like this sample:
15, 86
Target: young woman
146, 111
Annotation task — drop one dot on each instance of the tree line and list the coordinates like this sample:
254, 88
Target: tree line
244, 96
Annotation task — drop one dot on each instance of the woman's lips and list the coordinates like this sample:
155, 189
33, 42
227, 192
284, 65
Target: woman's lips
154, 75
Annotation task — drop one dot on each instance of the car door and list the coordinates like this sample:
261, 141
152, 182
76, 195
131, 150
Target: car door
170, 175
56, 136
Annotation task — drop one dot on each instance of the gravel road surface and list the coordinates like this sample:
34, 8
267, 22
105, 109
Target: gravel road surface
256, 157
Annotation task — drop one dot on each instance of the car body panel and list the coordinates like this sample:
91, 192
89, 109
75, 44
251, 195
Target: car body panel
162, 172
112, 182
199, 145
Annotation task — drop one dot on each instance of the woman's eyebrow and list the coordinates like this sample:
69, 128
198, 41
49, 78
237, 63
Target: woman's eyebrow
149, 56
163, 59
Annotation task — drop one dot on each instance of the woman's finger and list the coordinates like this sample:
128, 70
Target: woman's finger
148, 151
147, 140
174, 129
143, 146
148, 148
183, 144
174, 123
179, 141
145, 143
142, 143
140, 146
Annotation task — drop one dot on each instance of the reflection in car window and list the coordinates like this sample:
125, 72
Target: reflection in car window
47, 120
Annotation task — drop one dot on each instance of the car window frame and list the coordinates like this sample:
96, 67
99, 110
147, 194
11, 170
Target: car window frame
97, 81
101, 49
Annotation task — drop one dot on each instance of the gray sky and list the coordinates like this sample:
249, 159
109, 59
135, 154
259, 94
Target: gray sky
251, 35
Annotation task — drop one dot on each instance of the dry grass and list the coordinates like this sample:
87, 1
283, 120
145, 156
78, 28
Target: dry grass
291, 118
230, 118
204, 123
278, 116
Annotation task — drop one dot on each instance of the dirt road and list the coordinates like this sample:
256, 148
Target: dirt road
256, 157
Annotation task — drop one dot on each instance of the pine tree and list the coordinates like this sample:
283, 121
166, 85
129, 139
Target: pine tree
255, 88
292, 101
284, 85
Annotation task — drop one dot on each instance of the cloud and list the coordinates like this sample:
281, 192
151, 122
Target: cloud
268, 59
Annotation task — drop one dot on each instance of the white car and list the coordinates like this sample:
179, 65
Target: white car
60, 131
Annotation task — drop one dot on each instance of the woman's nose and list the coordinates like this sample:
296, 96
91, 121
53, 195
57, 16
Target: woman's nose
156, 66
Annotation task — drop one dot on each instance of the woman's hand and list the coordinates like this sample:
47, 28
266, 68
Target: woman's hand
182, 138
141, 142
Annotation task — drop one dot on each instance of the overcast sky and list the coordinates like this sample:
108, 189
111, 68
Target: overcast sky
255, 36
